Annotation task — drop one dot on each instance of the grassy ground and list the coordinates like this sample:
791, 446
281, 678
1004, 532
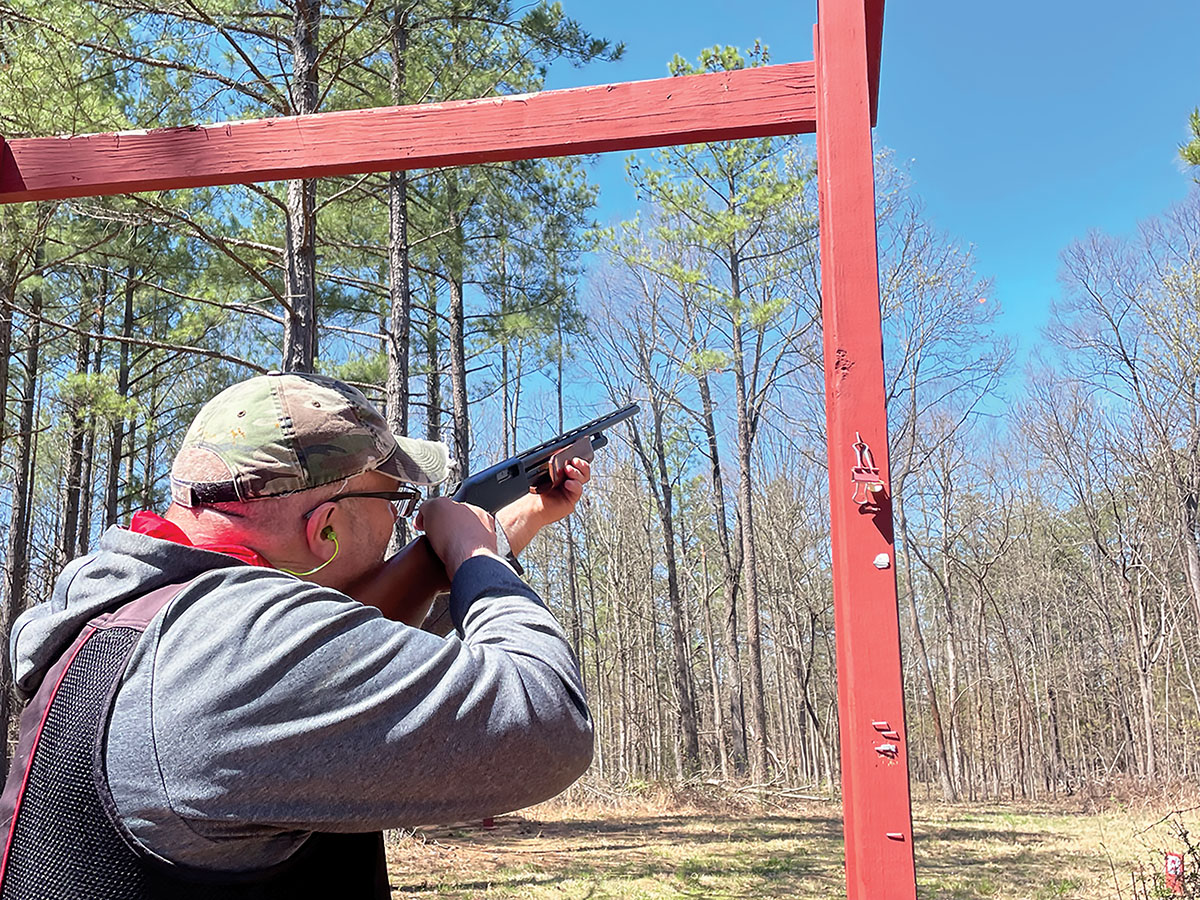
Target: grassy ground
645, 851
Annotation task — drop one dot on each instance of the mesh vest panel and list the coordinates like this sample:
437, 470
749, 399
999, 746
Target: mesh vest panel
65, 846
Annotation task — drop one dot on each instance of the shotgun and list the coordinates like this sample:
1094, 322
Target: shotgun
407, 585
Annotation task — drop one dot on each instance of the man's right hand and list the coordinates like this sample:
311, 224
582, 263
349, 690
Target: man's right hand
457, 531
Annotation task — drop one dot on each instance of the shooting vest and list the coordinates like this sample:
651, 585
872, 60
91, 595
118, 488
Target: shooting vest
61, 835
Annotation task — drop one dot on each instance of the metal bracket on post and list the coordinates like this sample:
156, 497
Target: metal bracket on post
865, 475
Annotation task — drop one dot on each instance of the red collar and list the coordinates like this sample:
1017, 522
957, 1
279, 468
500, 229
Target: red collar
153, 525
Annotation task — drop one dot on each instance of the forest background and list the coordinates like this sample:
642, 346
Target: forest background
1048, 556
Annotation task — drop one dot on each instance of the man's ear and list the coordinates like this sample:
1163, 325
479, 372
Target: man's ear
319, 531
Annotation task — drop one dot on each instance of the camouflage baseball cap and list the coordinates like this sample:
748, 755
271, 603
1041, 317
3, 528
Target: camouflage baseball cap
291, 431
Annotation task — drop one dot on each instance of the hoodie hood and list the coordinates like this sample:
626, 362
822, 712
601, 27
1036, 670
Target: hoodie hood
125, 566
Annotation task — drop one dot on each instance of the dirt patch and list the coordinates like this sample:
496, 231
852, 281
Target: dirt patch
637, 853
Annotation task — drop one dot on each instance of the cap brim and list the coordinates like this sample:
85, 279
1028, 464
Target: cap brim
417, 462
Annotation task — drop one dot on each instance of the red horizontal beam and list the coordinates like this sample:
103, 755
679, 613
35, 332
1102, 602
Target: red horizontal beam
758, 102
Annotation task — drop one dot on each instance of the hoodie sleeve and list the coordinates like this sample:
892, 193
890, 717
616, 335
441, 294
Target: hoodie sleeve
277, 705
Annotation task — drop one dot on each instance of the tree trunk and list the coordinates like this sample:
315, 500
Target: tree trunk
399, 289
1143, 662
1146, 690
1191, 552
621, 637
19, 537
1059, 770
300, 262
758, 756
458, 352
953, 654
433, 377
718, 700
69, 539
689, 759
400, 296
89, 451
935, 713
572, 583
147, 498
600, 692
7, 297
117, 432
505, 425
733, 697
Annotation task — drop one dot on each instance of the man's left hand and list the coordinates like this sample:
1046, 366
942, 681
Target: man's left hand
524, 518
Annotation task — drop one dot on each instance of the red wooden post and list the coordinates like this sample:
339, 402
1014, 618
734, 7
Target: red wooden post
877, 815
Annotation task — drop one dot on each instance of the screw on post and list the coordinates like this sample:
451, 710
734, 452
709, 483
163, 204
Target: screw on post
865, 474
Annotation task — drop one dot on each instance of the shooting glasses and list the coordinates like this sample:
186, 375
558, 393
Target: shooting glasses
404, 503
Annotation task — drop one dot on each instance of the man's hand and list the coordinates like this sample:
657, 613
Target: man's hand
524, 518
456, 531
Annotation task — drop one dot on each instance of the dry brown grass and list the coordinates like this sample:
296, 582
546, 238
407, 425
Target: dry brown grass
680, 845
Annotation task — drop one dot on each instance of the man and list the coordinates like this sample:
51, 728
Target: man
250, 733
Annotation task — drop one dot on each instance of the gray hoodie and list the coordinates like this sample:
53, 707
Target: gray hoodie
258, 708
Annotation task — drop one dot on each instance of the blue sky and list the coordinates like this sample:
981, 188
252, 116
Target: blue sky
1025, 124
